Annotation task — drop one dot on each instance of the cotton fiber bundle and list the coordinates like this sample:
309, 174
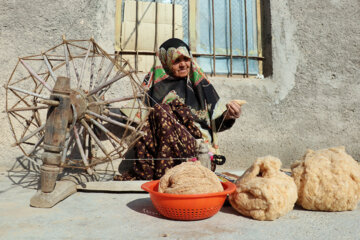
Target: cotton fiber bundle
327, 180
263, 192
190, 178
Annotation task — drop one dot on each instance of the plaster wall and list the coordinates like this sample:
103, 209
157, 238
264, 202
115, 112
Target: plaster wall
309, 100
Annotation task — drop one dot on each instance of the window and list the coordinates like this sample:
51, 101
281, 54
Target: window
231, 27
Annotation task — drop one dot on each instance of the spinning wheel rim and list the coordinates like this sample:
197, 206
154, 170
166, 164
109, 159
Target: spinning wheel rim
87, 102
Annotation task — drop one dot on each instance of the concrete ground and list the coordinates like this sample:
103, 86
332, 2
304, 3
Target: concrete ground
99, 215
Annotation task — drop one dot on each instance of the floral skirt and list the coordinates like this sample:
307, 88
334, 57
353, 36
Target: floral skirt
169, 139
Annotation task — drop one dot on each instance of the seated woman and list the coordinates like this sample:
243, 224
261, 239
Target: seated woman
186, 107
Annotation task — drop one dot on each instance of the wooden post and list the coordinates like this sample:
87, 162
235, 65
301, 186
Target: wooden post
55, 130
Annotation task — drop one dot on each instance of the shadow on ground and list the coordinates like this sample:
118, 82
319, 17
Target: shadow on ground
25, 173
144, 206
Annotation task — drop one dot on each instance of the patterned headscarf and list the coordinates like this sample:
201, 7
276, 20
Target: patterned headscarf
195, 90
168, 52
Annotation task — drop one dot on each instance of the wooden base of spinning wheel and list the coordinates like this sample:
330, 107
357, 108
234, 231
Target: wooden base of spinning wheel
62, 190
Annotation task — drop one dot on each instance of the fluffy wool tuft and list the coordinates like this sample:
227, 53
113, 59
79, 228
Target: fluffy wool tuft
190, 178
327, 180
263, 192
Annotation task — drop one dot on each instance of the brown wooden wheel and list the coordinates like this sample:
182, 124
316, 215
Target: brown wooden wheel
106, 99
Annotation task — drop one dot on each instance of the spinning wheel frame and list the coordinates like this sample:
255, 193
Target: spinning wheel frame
29, 94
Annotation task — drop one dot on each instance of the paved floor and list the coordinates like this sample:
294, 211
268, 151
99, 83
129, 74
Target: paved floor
89, 215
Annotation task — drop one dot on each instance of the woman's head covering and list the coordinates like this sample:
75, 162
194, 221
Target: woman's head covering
168, 52
195, 91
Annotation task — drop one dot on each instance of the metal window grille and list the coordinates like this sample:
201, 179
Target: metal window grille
187, 33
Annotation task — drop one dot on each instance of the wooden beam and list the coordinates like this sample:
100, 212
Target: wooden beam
118, 17
192, 24
112, 186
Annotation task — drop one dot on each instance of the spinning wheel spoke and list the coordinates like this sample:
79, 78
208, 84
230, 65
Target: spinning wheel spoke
112, 121
99, 70
108, 133
98, 142
27, 108
27, 137
21, 100
29, 122
67, 60
116, 100
108, 113
106, 74
82, 152
35, 75
72, 61
92, 67
24, 122
67, 144
35, 146
93, 133
84, 64
28, 92
117, 77
46, 60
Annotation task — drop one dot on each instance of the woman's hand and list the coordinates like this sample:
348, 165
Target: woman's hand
233, 109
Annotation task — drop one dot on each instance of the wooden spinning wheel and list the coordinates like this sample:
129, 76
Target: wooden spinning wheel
64, 104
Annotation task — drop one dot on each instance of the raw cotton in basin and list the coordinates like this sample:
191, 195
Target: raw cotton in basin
190, 178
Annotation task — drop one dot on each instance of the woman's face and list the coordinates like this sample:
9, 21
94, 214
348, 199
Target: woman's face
181, 67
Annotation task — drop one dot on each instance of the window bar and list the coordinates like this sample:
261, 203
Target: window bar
189, 42
246, 41
213, 28
152, 53
136, 36
258, 13
173, 19
227, 55
231, 60
156, 29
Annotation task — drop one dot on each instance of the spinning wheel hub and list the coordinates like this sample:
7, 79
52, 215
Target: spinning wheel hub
81, 102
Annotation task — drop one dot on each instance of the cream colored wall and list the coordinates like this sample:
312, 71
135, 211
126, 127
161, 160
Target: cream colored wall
311, 100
